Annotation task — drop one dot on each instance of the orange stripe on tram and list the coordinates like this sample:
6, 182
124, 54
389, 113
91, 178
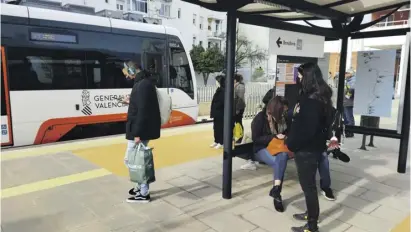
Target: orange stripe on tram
53, 129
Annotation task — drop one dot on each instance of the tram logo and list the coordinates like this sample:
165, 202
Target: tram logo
85, 97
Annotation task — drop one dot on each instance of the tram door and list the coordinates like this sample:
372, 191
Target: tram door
6, 130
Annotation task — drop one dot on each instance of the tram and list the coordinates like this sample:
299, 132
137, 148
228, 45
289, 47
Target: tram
62, 78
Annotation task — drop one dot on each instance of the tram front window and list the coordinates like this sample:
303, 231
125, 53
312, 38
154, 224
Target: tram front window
180, 73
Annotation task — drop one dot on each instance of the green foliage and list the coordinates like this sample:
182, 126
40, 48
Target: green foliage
195, 54
258, 73
207, 61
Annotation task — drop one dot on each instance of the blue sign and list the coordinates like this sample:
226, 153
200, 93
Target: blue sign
3, 129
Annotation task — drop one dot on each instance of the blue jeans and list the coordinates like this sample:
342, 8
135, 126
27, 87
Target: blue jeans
278, 162
349, 115
324, 170
144, 188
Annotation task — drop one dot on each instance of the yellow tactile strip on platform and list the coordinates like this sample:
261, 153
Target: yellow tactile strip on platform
46, 149
404, 226
171, 150
52, 183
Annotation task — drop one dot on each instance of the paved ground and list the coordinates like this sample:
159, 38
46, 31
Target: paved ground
60, 189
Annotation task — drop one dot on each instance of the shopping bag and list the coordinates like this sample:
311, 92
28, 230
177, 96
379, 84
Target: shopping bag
238, 131
276, 146
141, 165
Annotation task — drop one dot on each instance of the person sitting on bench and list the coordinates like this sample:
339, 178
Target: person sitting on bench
251, 163
268, 124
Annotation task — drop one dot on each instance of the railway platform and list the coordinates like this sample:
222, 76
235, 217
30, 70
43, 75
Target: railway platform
82, 186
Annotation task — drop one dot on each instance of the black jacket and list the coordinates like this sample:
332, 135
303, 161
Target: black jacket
143, 117
217, 104
308, 129
260, 131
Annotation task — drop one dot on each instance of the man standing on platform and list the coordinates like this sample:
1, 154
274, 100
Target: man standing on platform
348, 102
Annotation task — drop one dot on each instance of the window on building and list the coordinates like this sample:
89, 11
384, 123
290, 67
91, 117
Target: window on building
217, 25
180, 72
139, 5
201, 22
106, 1
209, 44
120, 7
194, 40
201, 43
194, 19
179, 13
165, 10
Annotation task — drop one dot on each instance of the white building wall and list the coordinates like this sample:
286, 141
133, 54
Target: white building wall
97, 4
185, 23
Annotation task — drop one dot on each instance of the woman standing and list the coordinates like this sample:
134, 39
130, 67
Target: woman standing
239, 101
217, 113
308, 137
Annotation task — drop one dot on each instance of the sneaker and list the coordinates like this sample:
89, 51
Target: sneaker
133, 191
218, 146
328, 194
304, 228
302, 217
250, 165
138, 198
213, 144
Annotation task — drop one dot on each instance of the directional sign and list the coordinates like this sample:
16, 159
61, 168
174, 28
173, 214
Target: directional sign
296, 44
279, 42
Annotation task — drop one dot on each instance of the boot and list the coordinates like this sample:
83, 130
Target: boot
278, 202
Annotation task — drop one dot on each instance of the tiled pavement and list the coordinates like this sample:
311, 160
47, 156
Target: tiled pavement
371, 197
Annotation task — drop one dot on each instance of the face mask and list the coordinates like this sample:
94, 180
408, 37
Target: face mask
131, 71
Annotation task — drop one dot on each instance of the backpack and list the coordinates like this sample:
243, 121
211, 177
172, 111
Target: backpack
165, 105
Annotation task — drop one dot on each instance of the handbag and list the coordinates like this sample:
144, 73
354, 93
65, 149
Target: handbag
165, 105
238, 131
141, 165
276, 146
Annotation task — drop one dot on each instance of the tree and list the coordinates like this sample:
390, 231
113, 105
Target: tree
246, 52
195, 54
207, 61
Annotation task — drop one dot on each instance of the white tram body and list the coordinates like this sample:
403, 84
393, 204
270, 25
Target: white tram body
62, 73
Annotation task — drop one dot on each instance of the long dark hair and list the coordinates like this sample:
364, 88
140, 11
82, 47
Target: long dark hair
313, 83
276, 107
221, 80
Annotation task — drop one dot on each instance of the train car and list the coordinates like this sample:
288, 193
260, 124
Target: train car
62, 73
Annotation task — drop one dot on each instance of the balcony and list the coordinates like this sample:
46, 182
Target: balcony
216, 35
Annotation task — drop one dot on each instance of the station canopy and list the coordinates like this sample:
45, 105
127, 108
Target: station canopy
267, 13
305, 10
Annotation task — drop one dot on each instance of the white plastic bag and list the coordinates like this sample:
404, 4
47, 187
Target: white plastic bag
165, 105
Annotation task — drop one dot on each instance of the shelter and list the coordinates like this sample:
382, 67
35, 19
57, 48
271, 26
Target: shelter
346, 18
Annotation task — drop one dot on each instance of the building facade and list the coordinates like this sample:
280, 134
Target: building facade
198, 26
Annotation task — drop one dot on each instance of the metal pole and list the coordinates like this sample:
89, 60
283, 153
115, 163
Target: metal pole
364, 138
228, 103
371, 144
405, 129
341, 81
